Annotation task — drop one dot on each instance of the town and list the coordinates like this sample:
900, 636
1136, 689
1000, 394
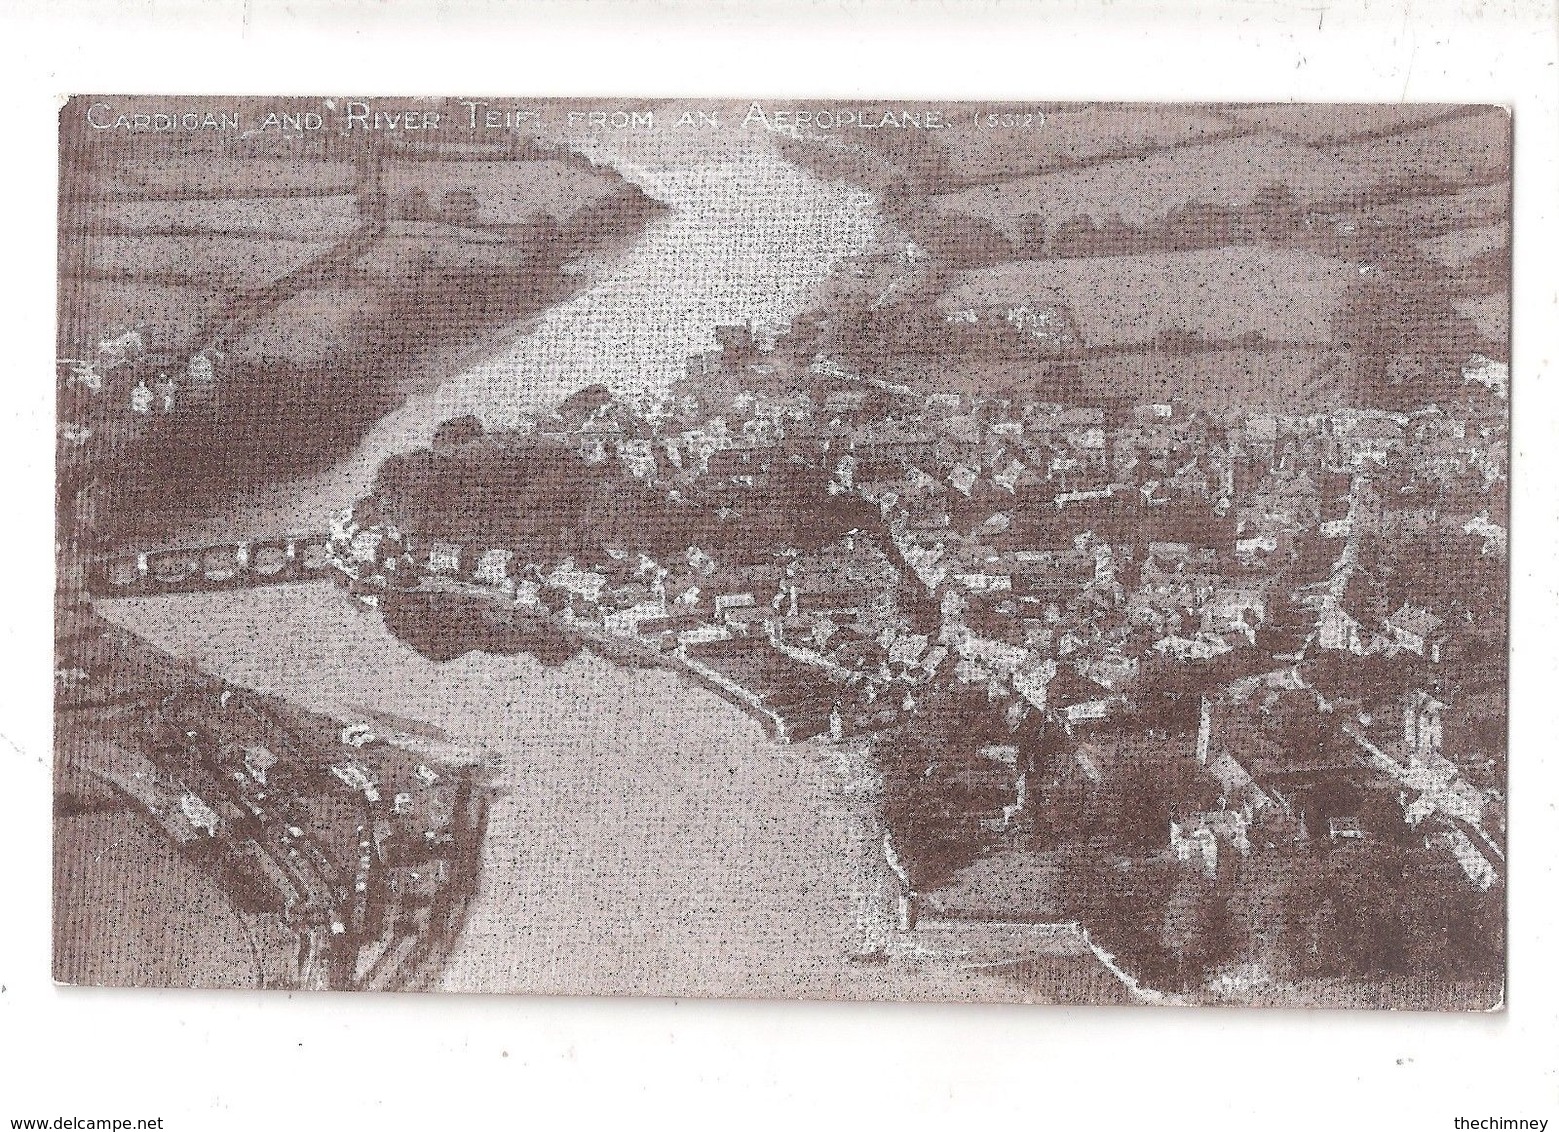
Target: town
1227, 685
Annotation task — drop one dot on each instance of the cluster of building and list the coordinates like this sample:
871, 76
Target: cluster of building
1070, 560
121, 368
351, 845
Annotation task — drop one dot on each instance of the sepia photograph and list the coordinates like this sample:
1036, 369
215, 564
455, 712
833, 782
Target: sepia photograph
1049, 553
703, 565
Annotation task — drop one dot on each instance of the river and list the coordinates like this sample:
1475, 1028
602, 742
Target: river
648, 838
748, 238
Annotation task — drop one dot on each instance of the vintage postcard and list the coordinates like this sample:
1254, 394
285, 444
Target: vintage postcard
784, 549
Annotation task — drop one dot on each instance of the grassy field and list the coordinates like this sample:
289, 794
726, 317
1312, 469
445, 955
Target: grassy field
1069, 136
305, 218
172, 312
173, 176
1321, 123
1490, 313
129, 911
164, 254
410, 248
1221, 293
506, 192
1462, 150
1300, 380
221, 262
1144, 190
1479, 204
309, 330
1456, 248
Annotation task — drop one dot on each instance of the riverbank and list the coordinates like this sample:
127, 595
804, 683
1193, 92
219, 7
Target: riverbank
644, 839
394, 398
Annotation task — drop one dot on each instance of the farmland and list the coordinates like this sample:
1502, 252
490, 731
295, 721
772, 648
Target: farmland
1301, 123
1287, 255
175, 176
1218, 293
1145, 190
1068, 136
1437, 212
1455, 249
327, 277
301, 218
172, 312
505, 192
1473, 148
217, 261
309, 330
1490, 313
1142, 190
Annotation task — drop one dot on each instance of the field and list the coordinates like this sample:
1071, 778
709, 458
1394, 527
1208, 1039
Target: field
1320, 123
222, 262
1457, 248
172, 312
506, 192
173, 176
1479, 204
165, 255
1464, 150
305, 218
411, 248
131, 912
310, 329
1070, 136
1144, 190
1220, 293
1491, 315
1298, 381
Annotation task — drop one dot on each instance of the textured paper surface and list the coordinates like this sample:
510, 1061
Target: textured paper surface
863, 550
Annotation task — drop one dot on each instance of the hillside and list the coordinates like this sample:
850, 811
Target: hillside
1217, 293
323, 278
1375, 238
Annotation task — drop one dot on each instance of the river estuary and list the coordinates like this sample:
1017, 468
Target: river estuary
648, 838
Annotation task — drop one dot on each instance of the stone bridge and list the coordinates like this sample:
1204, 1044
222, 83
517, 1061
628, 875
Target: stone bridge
222, 566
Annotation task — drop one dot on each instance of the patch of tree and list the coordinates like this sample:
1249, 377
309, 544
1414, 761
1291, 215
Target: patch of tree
1125, 904
962, 242
1488, 272
268, 419
546, 503
1401, 320
1384, 909
248, 888
1152, 781
932, 796
458, 430
1336, 674
1198, 933
1441, 571
583, 403
444, 626
1273, 216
